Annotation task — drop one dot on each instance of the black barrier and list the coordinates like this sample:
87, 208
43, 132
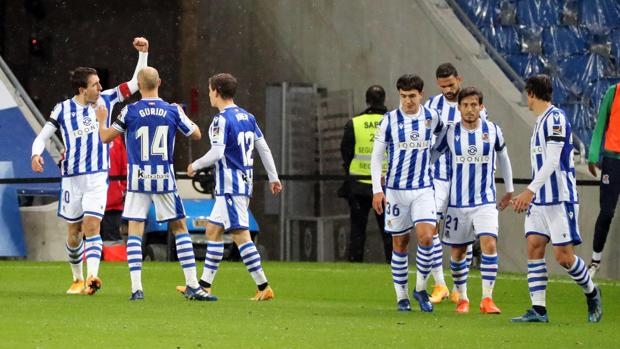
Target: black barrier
284, 177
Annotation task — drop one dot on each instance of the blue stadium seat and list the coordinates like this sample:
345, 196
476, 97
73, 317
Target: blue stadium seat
538, 13
531, 40
562, 90
580, 70
599, 15
561, 41
481, 12
526, 64
570, 13
505, 39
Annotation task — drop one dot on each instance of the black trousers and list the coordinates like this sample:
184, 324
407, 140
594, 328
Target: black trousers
111, 226
360, 205
608, 198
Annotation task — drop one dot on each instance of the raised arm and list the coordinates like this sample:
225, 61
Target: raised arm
106, 134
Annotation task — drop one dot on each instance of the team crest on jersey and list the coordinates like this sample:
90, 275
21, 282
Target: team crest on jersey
472, 150
414, 135
485, 137
428, 122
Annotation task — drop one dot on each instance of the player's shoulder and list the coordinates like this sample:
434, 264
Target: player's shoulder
556, 115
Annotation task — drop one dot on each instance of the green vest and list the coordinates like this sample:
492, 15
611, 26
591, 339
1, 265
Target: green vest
364, 127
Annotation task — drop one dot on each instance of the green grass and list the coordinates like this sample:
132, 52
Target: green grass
317, 305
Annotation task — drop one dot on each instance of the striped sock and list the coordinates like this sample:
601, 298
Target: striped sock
460, 269
488, 271
400, 274
185, 253
437, 262
215, 253
76, 255
579, 272
537, 281
93, 246
134, 260
470, 254
251, 259
423, 261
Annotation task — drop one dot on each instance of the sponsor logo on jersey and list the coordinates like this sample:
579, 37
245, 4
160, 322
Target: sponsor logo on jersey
413, 145
84, 131
472, 150
414, 135
86, 121
149, 176
472, 159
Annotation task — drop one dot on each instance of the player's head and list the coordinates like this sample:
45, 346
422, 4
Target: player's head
470, 104
448, 81
538, 89
375, 96
148, 79
85, 83
410, 89
222, 87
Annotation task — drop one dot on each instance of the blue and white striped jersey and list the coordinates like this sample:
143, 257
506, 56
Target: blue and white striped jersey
150, 127
408, 139
472, 160
450, 115
553, 127
237, 130
84, 151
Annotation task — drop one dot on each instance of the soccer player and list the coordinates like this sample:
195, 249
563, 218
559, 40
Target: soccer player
473, 145
552, 204
409, 199
85, 165
234, 134
449, 82
150, 126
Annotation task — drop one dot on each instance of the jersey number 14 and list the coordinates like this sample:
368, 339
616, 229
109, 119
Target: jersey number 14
159, 146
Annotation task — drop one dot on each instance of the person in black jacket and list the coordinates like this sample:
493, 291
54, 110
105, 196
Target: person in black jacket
356, 149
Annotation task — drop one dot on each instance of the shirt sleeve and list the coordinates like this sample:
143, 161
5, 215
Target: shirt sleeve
438, 124
185, 125
500, 143
217, 131
55, 115
120, 124
377, 156
551, 162
556, 128
258, 134
347, 145
601, 124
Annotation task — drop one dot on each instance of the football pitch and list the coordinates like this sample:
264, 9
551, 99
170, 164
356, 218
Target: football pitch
317, 305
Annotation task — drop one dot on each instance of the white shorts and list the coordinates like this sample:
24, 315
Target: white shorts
442, 195
463, 224
83, 195
406, 208
231, 212
558, 223
168, 206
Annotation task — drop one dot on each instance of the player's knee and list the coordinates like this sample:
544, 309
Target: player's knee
400, 243
565, 259
607, 213
178, 226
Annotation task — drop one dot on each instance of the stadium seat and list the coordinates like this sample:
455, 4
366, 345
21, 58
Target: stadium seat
599, 15
537, 13
504, 38
526, 64
570, 13
562, 41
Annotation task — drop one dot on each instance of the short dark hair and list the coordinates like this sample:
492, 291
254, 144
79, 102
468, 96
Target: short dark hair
540, 86
410, 82
79, 77
225, 84
375, 96
446, 70
470, 91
